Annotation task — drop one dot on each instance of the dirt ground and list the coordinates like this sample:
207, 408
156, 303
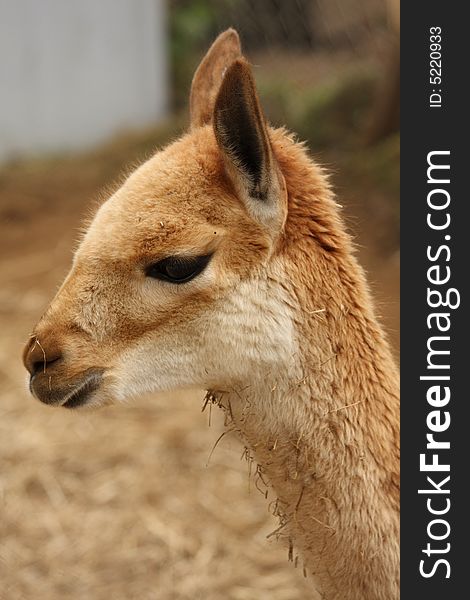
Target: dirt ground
125, 503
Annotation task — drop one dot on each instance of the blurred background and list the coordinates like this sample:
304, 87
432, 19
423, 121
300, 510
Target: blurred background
125, 503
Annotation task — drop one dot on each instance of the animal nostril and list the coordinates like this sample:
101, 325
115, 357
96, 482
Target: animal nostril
39, 356
39, 366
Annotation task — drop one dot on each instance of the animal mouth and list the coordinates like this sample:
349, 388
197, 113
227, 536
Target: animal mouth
81, 394
76, 392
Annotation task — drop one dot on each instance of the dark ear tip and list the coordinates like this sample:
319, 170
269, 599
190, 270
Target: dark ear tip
240, 128
238, 87
239, 65
237, 74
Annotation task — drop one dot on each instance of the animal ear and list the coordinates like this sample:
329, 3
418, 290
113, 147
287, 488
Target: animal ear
209, 74
242, 136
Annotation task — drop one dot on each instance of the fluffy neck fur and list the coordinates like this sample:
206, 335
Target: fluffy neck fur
323, 427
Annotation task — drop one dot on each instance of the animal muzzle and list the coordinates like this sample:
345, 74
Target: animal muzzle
54, 379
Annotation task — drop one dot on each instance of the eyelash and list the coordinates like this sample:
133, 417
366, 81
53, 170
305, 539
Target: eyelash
178, 269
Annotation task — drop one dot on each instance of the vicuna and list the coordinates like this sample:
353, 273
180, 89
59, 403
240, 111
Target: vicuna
223, 262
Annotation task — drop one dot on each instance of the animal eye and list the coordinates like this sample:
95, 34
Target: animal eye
178, 269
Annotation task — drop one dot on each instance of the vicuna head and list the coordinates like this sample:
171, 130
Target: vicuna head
171, 284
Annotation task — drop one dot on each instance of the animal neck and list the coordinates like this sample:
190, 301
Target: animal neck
324, 436
323, 425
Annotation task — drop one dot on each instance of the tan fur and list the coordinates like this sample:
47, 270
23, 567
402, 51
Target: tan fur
280, 326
